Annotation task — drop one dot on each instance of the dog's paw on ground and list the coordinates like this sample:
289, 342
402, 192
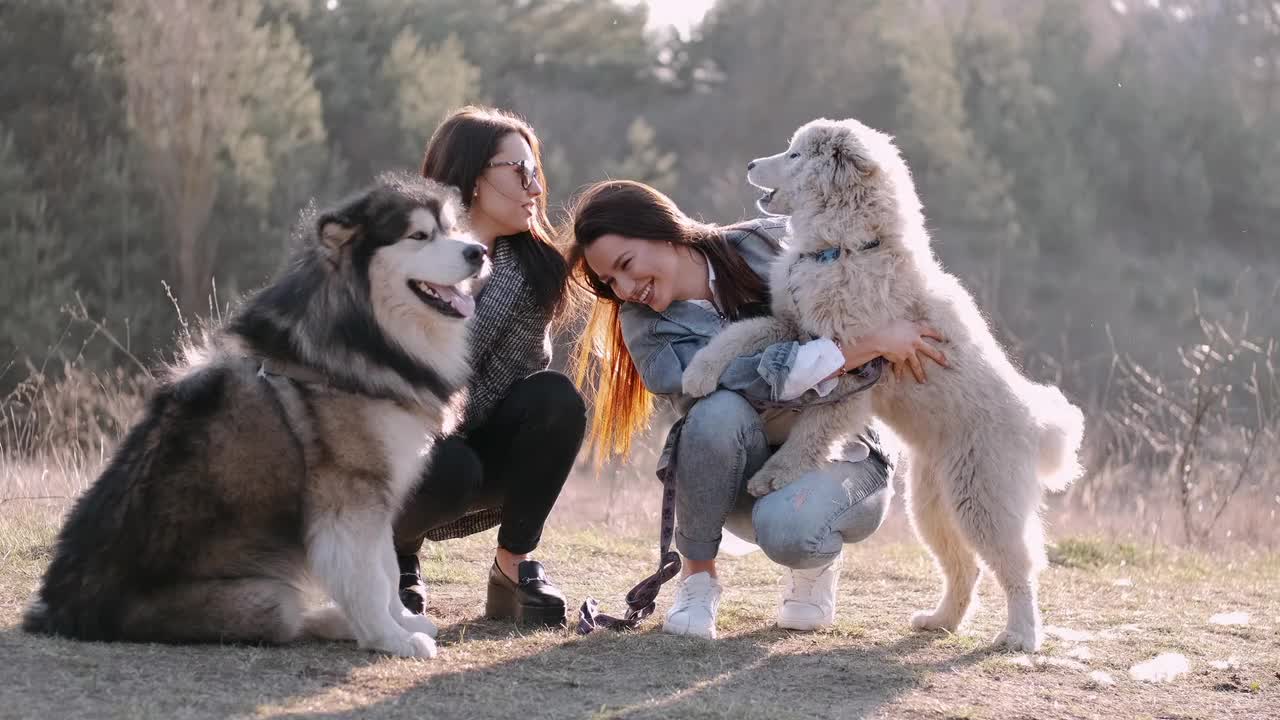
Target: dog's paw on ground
410, 645
930, 621
1017, 640
415, 623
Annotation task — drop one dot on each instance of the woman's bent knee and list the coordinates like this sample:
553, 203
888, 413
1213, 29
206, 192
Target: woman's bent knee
864, 520
558, 402
805, 524
794, 550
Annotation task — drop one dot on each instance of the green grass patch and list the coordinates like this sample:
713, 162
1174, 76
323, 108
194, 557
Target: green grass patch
1091, 553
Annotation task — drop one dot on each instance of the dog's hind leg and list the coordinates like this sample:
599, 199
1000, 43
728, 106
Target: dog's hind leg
998, 516
932, 519
344, 552
328, 623
227, 610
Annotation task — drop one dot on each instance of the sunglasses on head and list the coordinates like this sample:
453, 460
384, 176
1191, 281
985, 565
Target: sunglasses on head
527, 171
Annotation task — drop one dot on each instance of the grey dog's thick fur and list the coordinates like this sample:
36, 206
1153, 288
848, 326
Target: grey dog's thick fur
983, 440
273, 458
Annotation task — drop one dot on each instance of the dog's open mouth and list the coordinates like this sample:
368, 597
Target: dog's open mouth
765, 198
448, 300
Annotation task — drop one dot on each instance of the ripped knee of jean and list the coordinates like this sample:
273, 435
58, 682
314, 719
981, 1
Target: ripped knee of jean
794, 530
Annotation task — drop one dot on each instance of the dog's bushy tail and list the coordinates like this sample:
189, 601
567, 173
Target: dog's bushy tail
1060, 427
36, 619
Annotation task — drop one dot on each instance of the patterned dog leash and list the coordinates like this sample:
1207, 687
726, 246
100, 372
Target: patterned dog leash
642, 600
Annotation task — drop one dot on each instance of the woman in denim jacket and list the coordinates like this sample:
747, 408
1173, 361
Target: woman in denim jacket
664, 286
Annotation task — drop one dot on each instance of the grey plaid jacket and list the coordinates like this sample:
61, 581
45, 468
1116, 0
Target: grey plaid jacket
509, 342
509, 336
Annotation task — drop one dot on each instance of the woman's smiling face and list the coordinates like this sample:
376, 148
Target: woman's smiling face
636, 270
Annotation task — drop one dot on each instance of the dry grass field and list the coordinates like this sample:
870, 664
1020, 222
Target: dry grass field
1109, 606
1127, 584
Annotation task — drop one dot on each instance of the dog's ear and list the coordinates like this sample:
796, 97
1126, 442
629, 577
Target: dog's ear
335, 234
850, 162
334, 231
336, 228
453, 213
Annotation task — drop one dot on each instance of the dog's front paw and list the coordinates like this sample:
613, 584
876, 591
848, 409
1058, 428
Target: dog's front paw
926, 620
416, 623
1017, 641
774, 475
424, 646
701, 377
408, 645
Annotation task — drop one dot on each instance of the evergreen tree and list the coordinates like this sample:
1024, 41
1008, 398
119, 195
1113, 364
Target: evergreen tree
645, 161
425, 85
39, 278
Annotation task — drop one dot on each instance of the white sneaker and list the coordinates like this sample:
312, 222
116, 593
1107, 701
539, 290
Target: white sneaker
809, 597
694, 611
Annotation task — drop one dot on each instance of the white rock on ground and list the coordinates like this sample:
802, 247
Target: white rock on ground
1116, 632
1101, 679
1162, 668
1063, 663
1067, 634
1081, 653
1026, 661
1230, 618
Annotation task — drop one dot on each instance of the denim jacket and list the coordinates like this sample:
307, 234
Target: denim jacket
662, 344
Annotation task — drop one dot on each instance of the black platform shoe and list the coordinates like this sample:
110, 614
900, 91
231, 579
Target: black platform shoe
531, 601
413, 592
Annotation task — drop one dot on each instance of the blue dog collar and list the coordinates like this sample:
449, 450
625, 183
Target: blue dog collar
832, 254
828, 255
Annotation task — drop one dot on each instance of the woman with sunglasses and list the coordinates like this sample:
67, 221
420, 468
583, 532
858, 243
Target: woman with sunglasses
522, 424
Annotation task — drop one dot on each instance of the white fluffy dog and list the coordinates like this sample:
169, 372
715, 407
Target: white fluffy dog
982, 439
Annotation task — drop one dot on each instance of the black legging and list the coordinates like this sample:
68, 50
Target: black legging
518, 458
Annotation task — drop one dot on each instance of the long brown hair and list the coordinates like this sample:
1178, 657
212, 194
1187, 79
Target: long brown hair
622, 405
457, 154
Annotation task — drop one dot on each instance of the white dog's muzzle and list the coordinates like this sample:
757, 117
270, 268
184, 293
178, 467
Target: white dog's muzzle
762, 173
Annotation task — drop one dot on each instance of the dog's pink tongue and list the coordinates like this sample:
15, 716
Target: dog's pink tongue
462, 302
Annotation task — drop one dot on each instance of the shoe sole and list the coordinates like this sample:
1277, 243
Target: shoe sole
666, 629
501, 606
804, 628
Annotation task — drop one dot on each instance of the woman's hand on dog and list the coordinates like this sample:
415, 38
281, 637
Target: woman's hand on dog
902, 343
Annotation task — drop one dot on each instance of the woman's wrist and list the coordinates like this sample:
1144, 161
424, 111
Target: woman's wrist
844, 367
861, 352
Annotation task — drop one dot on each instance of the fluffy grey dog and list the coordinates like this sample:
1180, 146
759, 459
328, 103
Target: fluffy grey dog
983, 440
276, 455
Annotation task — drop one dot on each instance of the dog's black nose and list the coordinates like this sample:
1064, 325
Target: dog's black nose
751, 165
474, 254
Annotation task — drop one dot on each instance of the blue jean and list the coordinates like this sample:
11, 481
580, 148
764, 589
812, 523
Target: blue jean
803, 525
